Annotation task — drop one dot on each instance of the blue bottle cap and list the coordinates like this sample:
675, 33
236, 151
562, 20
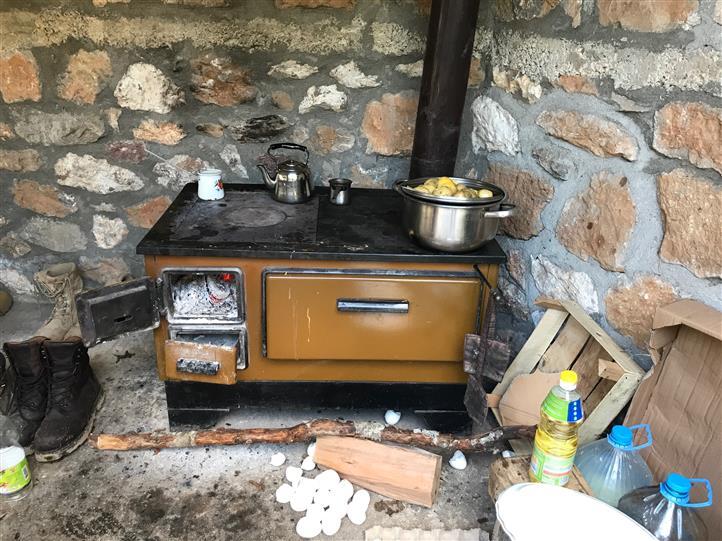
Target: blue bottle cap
620, 437
676, 488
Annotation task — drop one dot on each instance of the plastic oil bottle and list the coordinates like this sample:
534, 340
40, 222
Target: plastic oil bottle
665, 510
555, 442
612, 466
15, 481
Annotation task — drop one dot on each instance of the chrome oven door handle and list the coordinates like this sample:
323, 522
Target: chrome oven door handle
379, 306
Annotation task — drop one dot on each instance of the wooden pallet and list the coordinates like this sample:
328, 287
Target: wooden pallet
505, 472
567, 338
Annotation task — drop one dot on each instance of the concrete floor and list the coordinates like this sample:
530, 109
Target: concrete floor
211, 493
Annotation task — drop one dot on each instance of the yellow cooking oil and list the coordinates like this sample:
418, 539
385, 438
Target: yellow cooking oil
555, 441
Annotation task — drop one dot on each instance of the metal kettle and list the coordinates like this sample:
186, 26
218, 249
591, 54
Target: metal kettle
292, 181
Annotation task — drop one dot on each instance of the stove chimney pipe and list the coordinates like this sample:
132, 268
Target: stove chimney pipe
449, 44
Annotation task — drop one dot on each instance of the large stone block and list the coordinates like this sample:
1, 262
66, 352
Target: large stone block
692, 208
6, 131
41, 128
517, 84
290, 69
631, 308
556, 162
108, 232
528, 192
20, 160
599, 221
259, 129
392, 39
105, 271
593, 133
86, 75
95, 175
690, 130
146, 213
329, 139
219, 81
19, 77
389, 124
327, 97
45, 200
232, 157
145, 88
178, 171
126, 151
164, 133
648, 15
558, 283
351, 76
509, 10
54, 235
14, 247
494, 127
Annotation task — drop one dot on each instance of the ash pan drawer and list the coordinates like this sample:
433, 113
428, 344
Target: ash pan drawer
368, 317
201, 356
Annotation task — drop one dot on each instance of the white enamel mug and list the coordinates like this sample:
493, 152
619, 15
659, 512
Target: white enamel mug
210, 186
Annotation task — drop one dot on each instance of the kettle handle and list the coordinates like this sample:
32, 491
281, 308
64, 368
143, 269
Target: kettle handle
291, 146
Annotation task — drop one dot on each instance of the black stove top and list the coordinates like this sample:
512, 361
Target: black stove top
249, 223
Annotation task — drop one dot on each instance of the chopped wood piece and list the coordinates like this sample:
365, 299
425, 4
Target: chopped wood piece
610, 370
409, 475
306, 432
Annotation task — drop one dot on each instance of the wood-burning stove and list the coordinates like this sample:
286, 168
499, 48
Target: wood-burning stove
252, 300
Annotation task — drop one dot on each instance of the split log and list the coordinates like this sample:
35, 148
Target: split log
306, 432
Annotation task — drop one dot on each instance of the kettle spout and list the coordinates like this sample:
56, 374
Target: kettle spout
269, 182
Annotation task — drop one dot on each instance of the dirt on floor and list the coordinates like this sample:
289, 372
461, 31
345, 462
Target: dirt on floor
203, 493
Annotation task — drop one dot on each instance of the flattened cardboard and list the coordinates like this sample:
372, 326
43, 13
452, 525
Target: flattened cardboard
522, 401
681, 399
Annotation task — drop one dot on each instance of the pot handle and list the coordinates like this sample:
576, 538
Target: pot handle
505, 210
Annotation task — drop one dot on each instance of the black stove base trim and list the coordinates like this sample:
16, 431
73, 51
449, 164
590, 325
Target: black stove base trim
204, 404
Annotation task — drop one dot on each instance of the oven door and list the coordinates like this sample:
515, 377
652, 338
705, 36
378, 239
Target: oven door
366, 316
112, 311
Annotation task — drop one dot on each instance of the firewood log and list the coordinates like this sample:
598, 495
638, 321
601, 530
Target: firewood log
492, 441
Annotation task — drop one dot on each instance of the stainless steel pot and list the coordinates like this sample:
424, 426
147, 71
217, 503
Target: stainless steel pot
452, 227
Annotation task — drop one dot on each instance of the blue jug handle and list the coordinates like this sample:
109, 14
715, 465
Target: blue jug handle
709, 494
646, 443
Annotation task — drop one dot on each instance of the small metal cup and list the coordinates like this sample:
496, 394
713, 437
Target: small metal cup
340, 191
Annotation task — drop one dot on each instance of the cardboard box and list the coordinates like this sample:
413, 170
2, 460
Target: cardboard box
681, 399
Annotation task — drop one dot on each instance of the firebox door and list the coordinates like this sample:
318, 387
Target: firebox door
185, 296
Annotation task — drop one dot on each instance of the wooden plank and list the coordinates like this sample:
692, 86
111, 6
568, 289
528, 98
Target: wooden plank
608, 407
565, 348
610, 370
586, 366
597, 394
505, 472
405, 474
534, 347
595, 330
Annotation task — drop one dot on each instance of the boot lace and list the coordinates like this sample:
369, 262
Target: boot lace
30, 391
62, 302
61, 392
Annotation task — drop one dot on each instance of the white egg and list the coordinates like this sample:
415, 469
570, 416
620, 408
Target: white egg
338, 508
392, 417
362, 498
308, 464
301, 500
278, 459
331, 523
343, 491
307, 486
315, 511
356, 515
284, 493
328, 479
458, 461
311, 450
322, 497
308, 528
507, 454
293, 474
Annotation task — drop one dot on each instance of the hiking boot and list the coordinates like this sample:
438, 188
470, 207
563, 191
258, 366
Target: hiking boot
6, 302
31, 387
75, 396
60, 283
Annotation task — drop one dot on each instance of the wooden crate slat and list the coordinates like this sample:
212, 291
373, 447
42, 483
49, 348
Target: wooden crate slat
609, 370
611, 403
597, 394
596, 331
534, 348
587, 367
565, 348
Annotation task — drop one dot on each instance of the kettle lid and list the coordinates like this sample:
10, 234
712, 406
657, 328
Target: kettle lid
292, 165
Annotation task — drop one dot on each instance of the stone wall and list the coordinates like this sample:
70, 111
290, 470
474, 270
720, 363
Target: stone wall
602, 119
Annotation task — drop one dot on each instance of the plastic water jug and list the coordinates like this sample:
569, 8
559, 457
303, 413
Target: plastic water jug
665, 510
612, 466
